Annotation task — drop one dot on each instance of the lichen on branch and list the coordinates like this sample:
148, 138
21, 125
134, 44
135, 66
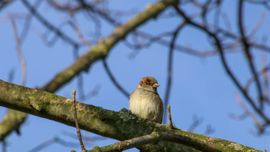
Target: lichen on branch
118, 125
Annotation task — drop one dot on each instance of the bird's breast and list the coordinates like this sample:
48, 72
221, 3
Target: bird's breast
145, 104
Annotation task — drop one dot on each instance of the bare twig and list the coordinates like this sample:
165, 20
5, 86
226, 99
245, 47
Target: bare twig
170, 117
113, 79
209, 130
262, 72
196, 121
170, 67
258, 25
19, 52
265, 77
250, 114
78, 31
76, 120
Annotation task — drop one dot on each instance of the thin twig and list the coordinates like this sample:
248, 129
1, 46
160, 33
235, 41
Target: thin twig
265, 77
78, 31
209, 130
76, 120
170, 67
262, 72
196, 121
113, 79
170, 117
19, 52
248, 113
258, 25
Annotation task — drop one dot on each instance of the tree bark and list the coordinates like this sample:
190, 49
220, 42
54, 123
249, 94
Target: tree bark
120, 125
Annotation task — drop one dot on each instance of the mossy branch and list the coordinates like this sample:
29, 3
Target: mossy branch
118, 125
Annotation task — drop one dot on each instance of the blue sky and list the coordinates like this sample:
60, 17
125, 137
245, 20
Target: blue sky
200, 85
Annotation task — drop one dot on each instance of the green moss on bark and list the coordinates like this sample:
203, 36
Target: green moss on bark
118, 125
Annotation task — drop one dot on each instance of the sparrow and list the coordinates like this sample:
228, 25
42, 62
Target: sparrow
145, 101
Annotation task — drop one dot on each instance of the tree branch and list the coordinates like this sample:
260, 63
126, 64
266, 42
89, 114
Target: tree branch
105, 122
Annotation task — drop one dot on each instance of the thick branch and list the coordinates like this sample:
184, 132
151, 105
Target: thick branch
118, 125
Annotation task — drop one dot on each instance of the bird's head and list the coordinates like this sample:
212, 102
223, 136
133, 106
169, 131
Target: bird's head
149, 83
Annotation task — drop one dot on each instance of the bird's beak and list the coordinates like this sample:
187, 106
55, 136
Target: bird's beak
155, 85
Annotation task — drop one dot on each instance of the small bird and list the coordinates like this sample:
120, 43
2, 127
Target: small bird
145, 101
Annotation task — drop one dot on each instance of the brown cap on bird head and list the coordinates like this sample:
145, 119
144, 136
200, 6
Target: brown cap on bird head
149, 81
